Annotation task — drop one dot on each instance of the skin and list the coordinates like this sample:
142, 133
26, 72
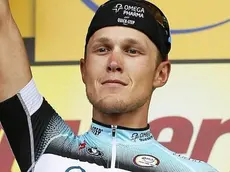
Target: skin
127, 56
15, 71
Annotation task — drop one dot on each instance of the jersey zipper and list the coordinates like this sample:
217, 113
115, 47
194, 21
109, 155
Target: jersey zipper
114, 147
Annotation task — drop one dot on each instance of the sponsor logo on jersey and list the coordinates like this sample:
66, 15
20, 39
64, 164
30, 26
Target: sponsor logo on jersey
141, 136
146, 161
94, 151
82, 146
74, 169
184, 157
96, 131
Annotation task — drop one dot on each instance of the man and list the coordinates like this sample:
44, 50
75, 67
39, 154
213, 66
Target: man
126, 52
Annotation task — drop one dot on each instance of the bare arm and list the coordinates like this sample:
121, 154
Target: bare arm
15, 71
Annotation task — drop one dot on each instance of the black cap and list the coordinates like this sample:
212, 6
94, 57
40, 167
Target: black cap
136, 14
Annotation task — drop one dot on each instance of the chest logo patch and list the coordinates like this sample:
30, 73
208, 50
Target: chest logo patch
146, 161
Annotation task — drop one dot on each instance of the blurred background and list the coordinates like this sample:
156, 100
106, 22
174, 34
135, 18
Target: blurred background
189, 115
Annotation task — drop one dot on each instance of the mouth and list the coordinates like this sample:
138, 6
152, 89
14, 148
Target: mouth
114, 82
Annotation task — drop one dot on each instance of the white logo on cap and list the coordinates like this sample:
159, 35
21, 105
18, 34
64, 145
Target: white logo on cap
129, 10
117, 8
125, 21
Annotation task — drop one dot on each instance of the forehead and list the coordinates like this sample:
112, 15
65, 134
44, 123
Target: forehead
119, 34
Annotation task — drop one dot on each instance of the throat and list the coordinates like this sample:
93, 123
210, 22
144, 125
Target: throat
129, 120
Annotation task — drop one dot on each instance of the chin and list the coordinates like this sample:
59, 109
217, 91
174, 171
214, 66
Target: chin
112, 105
115, 105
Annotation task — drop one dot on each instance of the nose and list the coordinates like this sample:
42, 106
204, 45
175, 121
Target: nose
114, 67
115, 63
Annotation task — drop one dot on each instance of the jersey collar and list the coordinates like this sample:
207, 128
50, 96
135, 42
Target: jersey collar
122, 134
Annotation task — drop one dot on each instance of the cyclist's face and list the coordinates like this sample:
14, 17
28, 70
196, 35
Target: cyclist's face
121, 70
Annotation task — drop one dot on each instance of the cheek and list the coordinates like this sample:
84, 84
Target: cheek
90, 77
94, 70
142, 76
143, 70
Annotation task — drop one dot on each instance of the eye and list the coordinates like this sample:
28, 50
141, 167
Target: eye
102, 50
132, 51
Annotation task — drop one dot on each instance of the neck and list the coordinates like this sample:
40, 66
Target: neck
134, 119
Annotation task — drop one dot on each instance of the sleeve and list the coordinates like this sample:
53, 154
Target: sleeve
25, 118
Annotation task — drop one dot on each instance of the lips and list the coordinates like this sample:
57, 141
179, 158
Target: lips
114, 81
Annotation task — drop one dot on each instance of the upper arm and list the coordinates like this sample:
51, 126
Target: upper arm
24, 117
15, 71
30, 123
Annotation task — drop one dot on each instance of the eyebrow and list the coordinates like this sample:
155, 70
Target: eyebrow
102, 40
105, 40
132, 41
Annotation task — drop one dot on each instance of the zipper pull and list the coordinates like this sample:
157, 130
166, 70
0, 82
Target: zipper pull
114, 128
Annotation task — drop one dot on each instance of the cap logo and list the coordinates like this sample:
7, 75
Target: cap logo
117, 8
129, 10
126, 21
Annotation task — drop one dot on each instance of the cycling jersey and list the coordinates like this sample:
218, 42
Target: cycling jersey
42, 142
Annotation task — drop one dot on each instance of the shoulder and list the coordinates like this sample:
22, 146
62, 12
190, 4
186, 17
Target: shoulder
194, 164
26, 102
180, 161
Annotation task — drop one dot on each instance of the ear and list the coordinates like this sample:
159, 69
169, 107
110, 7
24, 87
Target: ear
162, 74
83, 70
